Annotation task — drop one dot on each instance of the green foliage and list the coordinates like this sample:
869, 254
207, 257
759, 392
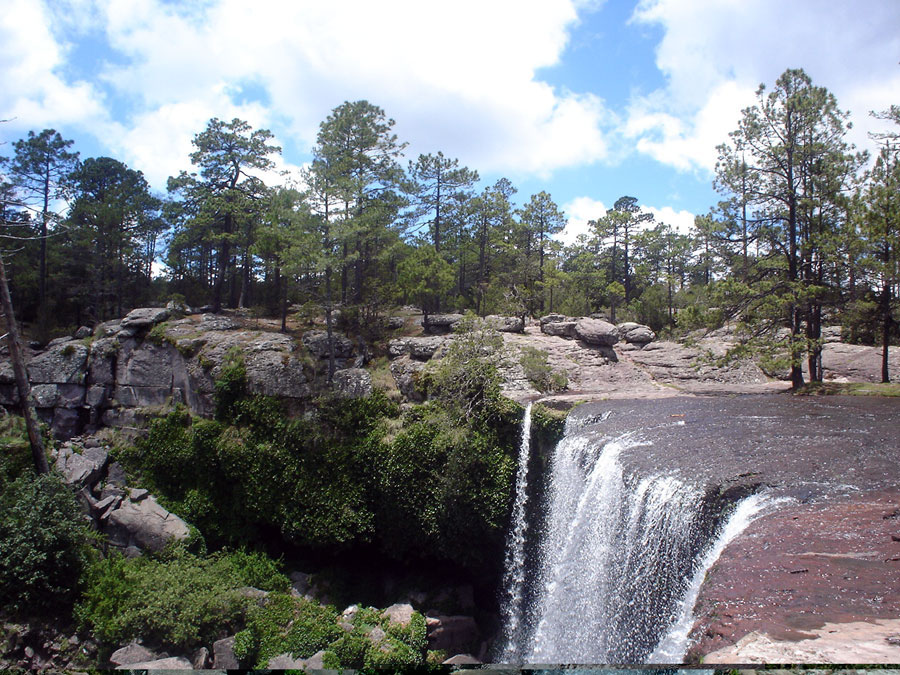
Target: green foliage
466, 380
15, 449
180, 600
695, 317
287, 625
231, 385
43, 546
539, 373
353, 473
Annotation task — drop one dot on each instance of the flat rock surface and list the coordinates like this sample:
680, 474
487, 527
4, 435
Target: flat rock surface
810, 583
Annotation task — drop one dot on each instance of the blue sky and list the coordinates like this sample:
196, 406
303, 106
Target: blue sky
586, 99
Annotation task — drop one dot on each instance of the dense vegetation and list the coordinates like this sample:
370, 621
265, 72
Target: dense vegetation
428, 487
806, 233
350, 473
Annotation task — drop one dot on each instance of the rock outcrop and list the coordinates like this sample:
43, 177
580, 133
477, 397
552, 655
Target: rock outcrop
146, 360
132, 519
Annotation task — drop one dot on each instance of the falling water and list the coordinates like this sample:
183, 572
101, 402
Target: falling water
514, 567
619, 558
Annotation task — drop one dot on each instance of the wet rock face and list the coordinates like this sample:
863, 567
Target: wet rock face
801, 578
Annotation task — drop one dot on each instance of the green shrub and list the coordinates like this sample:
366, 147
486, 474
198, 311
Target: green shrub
231, 385
43, 548
15, 448
289, 625
351, 650
330, 661
539, 373
181, 600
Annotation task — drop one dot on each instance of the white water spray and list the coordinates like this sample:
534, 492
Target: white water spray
619, 564
514, 568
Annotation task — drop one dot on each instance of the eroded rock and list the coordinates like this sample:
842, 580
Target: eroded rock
144, 524
352, 383
596, 332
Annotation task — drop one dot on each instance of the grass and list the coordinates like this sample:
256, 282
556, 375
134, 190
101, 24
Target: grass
850, 389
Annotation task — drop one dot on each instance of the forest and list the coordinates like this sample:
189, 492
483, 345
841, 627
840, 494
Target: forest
806, 231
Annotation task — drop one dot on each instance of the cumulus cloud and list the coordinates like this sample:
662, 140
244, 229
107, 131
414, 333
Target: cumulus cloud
714, 54
34, 94
465, 75
581, 210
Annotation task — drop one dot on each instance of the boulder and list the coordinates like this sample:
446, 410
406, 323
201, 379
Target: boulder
300, 585
315, 662
132, 653
455, 634
285, 662
145, 524
559, 328
505, 324
395, 322
376, 635
399, 613
441, 324
406, 374
419, 348
635, 333
82, 332
275, 372
223, 655
67, 422
60, 364
81, 470
553, 318
145, 317
200, 659
44, 395
101, 363
352, 383
171, 663
217, 322
831, 334
316, 342
596, 332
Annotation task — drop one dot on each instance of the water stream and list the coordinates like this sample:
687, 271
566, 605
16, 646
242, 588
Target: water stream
612, 571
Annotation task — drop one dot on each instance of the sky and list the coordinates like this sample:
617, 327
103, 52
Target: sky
589, 100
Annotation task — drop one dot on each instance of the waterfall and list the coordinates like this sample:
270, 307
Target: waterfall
514, 567
619, 562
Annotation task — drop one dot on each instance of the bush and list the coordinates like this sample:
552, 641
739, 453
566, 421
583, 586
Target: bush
288, 625
43, 548
539, 373
15, 448
181, 600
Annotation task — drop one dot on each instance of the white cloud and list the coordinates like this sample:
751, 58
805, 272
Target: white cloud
715, 53
580, 210
583, 209
682, 221
463, 77
33, 93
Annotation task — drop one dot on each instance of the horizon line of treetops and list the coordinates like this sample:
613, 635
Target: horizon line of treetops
808, 229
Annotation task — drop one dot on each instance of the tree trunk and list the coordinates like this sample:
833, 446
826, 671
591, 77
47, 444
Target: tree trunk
21, 375
886, 321
328, 324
